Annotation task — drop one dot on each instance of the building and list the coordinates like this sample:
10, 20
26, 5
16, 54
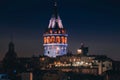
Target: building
55, 37
90, 64
116, 65
82, 50
10, 60
4, 76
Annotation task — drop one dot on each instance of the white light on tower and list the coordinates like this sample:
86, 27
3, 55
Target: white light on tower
79, 51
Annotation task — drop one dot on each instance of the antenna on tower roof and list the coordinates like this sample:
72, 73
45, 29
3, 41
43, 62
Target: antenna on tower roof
55, 2
55, 9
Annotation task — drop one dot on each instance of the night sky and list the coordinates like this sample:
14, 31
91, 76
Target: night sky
96, 23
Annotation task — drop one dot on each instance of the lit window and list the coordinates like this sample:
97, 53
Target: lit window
45, 40
63, 31
58, 39
79, 51
59, 32
50, 31
52, 39
48, 39
63, 39
42, 59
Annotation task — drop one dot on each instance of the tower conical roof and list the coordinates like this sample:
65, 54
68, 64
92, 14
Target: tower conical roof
55, 21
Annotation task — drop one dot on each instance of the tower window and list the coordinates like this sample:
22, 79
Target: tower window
58, 39
50, 31
63, 39
59, 32
48, 39
52, 39
45, 40
63, 31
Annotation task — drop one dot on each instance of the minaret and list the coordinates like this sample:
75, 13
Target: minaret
10, 59
11, 54
55, 38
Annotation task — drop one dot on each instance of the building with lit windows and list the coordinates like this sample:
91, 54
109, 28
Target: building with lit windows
57, 63
55, 37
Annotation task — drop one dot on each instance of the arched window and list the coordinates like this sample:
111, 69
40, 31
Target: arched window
59, 31
50, 31
63, 31
48, 39
45, 40
58, 39
63, 39
52, 39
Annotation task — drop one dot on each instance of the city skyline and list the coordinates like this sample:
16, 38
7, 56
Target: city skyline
94, 23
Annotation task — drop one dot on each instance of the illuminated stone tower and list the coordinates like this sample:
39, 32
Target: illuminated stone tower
55, 37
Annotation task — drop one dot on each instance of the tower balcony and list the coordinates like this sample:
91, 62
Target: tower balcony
55, 44
55, 35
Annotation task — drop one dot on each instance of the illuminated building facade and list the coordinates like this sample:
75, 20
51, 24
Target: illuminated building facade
55, 37
90, 64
